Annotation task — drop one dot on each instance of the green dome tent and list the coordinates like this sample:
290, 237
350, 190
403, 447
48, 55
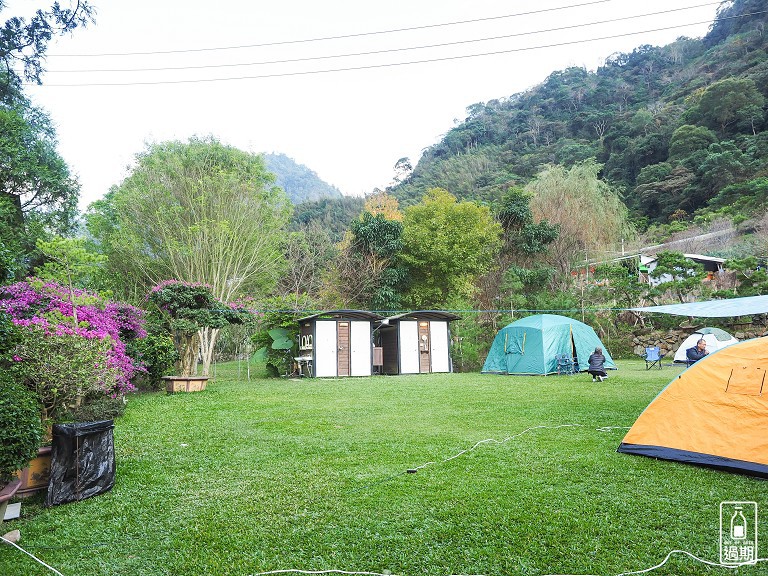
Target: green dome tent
530, 345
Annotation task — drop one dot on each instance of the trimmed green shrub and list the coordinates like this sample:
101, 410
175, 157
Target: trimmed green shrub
20, 427
100, 408
158, 355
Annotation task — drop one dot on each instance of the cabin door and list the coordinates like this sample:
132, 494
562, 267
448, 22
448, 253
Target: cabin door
343, 348
360, 360
425, 364
409, 347
325, 349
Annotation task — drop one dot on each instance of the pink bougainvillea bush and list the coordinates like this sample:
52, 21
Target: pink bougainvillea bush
71, 343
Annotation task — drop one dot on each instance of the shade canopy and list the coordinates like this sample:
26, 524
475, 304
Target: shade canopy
713, 308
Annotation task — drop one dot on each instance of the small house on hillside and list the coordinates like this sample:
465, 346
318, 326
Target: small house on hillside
712, 266
416, 342
337, 343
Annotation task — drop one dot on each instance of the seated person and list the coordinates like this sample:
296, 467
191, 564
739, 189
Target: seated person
597, 365
696, 353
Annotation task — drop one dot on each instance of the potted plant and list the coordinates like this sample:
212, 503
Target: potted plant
68, 347
20, 434
186, 308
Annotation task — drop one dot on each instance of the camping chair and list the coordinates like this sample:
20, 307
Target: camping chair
564, 364
652, 357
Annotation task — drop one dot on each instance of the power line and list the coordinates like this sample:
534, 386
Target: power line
387, 65
386, 51
340, 37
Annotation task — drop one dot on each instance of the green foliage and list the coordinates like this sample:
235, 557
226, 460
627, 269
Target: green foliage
652, 107
752, 278
526, 287
750, 197
622, 286
198, 211
686, 140
376, 242
377, 236
471, 342
25, 42
280, 317
59, 368
187, 308
70, 263
9, 337
522, 236
728, 105
95, 409
683, 276
446, 245
157, 354
332, 214
33, 170
190, 306
20, 430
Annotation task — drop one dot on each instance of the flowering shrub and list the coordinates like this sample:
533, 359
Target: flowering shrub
188, 307
71, 343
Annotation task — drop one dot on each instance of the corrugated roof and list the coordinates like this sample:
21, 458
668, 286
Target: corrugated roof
425, 315
344, 314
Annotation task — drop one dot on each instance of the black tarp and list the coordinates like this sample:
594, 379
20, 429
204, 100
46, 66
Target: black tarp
82, 461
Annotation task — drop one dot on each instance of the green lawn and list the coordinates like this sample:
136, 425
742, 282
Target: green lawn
248, 477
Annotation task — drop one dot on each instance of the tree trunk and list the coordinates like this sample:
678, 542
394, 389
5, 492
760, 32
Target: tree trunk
188, 350
207, 344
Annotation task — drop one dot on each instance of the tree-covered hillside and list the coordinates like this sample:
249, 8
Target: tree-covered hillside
678, 128
299, 182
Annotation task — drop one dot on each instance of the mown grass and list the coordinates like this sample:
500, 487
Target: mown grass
308, 474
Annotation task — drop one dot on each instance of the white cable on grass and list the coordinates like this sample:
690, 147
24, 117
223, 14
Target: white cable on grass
702, 560
508, 438
51, 568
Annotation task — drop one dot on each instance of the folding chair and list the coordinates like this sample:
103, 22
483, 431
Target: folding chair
564, 364
652, 357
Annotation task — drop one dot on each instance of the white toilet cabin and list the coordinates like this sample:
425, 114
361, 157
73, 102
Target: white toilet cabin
416, 342
337, 343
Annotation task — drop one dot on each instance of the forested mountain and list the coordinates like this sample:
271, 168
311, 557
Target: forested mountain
677, 128
332, 214
299, 182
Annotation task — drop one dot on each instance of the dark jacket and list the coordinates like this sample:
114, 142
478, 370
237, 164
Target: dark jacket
596, 362
694, 354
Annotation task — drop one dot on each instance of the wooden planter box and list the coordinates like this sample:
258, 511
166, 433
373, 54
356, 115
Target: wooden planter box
175, 384
35, 476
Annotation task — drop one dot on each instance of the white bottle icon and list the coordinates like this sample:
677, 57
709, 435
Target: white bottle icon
738, 525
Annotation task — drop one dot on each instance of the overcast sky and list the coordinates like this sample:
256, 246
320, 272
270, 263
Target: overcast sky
256, 74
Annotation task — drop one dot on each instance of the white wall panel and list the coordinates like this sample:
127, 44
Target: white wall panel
438, 338
409, 347
360, 348
325, 349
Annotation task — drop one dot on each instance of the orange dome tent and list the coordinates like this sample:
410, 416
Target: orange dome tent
714, 414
